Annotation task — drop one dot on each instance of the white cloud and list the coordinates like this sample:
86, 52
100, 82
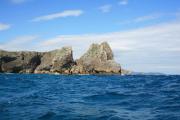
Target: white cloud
139, 49
173, 49
19, 43
18, 1
105, 8
139, 39
86, 40
142, 18
123, 2
177, 14
66, 13
147, 17
4, 26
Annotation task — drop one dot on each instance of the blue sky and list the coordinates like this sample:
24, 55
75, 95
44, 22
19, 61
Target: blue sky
144, 34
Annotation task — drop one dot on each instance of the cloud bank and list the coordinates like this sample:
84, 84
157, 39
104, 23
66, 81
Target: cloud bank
152, 48
19, 43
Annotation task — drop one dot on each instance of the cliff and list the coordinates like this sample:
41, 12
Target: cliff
57, 61
98, 59
19, 62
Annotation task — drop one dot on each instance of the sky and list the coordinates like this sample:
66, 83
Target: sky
143, 34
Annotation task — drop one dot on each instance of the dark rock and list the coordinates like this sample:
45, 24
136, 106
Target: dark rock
19, 62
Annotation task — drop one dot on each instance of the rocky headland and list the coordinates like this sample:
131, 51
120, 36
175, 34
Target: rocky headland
98, 59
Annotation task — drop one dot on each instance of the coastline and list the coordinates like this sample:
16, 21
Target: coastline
99, 59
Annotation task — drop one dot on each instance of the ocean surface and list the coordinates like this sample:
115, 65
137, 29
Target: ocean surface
89, 97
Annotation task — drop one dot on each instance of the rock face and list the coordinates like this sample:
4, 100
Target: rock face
19, 62
57, 61
98, 59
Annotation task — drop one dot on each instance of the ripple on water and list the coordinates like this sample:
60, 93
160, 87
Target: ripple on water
90, 97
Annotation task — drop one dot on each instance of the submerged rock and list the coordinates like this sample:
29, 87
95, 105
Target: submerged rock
98, 59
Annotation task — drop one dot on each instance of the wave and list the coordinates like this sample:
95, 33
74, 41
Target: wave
89, 97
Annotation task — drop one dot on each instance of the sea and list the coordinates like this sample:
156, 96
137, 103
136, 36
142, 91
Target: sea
89, 97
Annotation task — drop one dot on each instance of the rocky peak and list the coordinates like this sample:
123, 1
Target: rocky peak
101, 52
98, 59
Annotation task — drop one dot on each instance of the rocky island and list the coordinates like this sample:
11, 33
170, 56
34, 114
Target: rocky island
98, 59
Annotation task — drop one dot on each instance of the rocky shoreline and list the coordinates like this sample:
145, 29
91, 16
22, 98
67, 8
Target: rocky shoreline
98, 59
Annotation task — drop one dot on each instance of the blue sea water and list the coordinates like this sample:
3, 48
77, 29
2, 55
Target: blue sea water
89, 97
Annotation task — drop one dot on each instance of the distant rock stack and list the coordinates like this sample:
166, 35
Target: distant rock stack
97, 60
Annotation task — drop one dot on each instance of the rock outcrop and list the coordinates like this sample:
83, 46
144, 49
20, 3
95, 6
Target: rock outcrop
57, 61
98, 59
19, 62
